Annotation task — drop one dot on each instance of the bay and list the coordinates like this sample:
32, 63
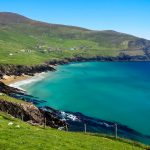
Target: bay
113, 91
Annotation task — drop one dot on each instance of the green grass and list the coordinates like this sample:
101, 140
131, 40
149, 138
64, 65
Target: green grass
46, 43
30, 137
10, 99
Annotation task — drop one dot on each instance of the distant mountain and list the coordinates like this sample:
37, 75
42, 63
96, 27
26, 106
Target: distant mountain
11, 18
22, 38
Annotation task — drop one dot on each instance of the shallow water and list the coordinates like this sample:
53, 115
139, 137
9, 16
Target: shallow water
112, 91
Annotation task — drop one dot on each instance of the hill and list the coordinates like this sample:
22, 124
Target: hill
31, 132
23, 39
16, 134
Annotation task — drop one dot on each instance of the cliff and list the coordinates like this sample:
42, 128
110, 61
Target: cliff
18, 70
21, 69
30, 113
27, 111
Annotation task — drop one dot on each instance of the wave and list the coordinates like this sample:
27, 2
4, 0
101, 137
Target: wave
35, 78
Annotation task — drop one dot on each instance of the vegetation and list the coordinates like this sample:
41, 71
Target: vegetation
15, 134
20, 135
10, 99
27, 42
22, 39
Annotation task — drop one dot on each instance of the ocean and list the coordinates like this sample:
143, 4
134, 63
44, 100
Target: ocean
113, 91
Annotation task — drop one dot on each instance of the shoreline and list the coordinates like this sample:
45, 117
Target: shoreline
9, 80
17, 81
14, 80
19, 70
25, 79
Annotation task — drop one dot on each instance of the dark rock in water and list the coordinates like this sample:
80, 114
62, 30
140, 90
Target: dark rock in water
19, 94
95, 125
27, 111
18, 70
122, 57
9, 90
58, 119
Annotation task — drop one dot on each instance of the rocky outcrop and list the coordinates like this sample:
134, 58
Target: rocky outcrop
27, 111
24, 111
9, 90
140, 44
18, 70
19, 94
30, 113
121, 58
95, 125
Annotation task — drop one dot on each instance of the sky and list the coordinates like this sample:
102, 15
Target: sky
127, 16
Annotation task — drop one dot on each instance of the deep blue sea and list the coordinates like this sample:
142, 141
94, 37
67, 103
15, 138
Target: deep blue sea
113, 91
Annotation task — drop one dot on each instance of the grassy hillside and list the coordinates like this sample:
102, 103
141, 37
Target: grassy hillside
29, 137
23, 39
22, 136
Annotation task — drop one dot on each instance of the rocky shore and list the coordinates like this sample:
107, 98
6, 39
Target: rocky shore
121, 58
19, 70
47, 116
54, 118
26, 111
30, 113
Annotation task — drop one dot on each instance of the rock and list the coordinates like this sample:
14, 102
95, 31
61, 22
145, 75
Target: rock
18, 70
30, 113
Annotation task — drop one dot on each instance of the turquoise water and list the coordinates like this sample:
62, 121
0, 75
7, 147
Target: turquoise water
111, 91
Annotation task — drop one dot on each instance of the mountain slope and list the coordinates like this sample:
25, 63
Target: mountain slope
16, 134
22, 39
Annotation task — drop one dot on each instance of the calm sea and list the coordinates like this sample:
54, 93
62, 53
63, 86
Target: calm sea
112, 91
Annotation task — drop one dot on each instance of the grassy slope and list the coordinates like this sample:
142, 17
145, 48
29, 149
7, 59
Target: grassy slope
10, 99
29, 137
47, 42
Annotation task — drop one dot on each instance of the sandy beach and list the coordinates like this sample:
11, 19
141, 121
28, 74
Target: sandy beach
13, 79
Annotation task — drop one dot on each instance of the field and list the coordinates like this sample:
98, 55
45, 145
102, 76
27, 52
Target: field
27, 42
22, 136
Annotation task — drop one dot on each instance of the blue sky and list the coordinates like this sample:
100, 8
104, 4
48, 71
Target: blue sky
128, 16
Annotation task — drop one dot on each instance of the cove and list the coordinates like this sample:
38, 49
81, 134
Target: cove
113, 91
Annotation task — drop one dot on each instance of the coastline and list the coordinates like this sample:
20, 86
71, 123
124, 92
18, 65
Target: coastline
19, 70
8, 80
15, 79
17, 82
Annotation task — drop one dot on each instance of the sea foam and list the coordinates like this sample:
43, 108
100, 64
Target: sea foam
35, 78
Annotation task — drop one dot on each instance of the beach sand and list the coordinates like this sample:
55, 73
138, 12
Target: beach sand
13, 79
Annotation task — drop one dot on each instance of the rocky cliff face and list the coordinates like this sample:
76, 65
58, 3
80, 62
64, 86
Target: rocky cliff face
9, 90
140, 44
20, 69
30, 113
24, 111
27, 111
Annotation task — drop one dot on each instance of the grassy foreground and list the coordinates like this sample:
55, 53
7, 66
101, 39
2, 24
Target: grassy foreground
29, 137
